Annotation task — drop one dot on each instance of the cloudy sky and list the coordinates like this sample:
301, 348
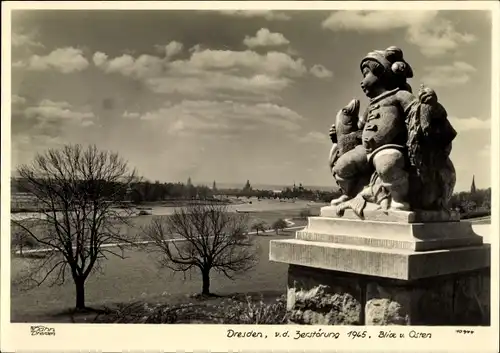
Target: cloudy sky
231, 96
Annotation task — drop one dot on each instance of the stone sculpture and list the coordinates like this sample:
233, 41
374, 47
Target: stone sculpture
396, 155
347, 156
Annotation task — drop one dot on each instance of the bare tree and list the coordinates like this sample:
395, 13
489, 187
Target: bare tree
204, 237
259, 227
279, 224
75, 191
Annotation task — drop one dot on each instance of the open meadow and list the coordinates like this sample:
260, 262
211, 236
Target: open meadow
139, 278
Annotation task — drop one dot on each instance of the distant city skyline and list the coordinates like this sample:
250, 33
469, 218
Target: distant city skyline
266, 186
229, 96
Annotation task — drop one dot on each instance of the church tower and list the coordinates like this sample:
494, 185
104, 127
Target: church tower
473, 186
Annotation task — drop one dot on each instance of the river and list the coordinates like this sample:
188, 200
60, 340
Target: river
254, 206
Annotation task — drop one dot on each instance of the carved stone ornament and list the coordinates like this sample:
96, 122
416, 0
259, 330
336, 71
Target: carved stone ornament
396, 155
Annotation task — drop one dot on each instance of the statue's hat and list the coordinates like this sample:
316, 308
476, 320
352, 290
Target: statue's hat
392, 61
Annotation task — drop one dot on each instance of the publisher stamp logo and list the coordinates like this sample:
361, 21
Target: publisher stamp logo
42, 331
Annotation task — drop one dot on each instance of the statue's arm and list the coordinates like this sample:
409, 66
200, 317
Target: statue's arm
407, 100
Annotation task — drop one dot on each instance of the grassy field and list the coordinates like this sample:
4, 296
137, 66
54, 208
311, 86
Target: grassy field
138, 277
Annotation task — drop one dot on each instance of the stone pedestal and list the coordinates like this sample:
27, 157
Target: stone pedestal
402, 268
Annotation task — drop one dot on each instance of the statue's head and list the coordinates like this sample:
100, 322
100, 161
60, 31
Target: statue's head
347, 118
384, 70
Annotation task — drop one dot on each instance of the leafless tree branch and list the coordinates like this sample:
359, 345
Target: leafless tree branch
76, 190
207, 237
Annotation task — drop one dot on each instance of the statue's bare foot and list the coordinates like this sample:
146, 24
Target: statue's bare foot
384, 205
399, 206
357, 204
339, 200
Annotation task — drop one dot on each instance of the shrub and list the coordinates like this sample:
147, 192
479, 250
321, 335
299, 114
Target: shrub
250, 312
259, 227
139, 313
21, 240
280, 224
475, 214
229, 311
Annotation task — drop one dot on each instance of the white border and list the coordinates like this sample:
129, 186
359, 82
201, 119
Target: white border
16, 337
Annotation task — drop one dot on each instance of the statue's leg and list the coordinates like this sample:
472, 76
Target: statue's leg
347, 172
344, 186
390, 166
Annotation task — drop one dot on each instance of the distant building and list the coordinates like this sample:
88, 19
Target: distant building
247, 186
473, 186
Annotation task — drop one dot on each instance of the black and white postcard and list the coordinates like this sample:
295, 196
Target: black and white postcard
230, 176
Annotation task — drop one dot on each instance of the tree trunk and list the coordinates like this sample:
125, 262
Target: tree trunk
80, 293
205, 275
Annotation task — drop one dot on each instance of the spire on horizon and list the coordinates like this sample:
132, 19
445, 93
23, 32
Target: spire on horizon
473, 185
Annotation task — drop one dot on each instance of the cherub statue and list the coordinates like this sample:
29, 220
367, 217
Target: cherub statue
406, 141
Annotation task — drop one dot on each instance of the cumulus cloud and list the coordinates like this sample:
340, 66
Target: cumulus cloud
469, 124
320, 71
54, 104
19, 64
99, 59
379, 21
131, 115
171, 49
437, 38
209, 72
265, 38
18, 104
273, 63
17, 100
64, 60
193, 117
266, 14
434, 35
87, 123
457, 73
57, 111
141, 68
25, 40
146, 66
